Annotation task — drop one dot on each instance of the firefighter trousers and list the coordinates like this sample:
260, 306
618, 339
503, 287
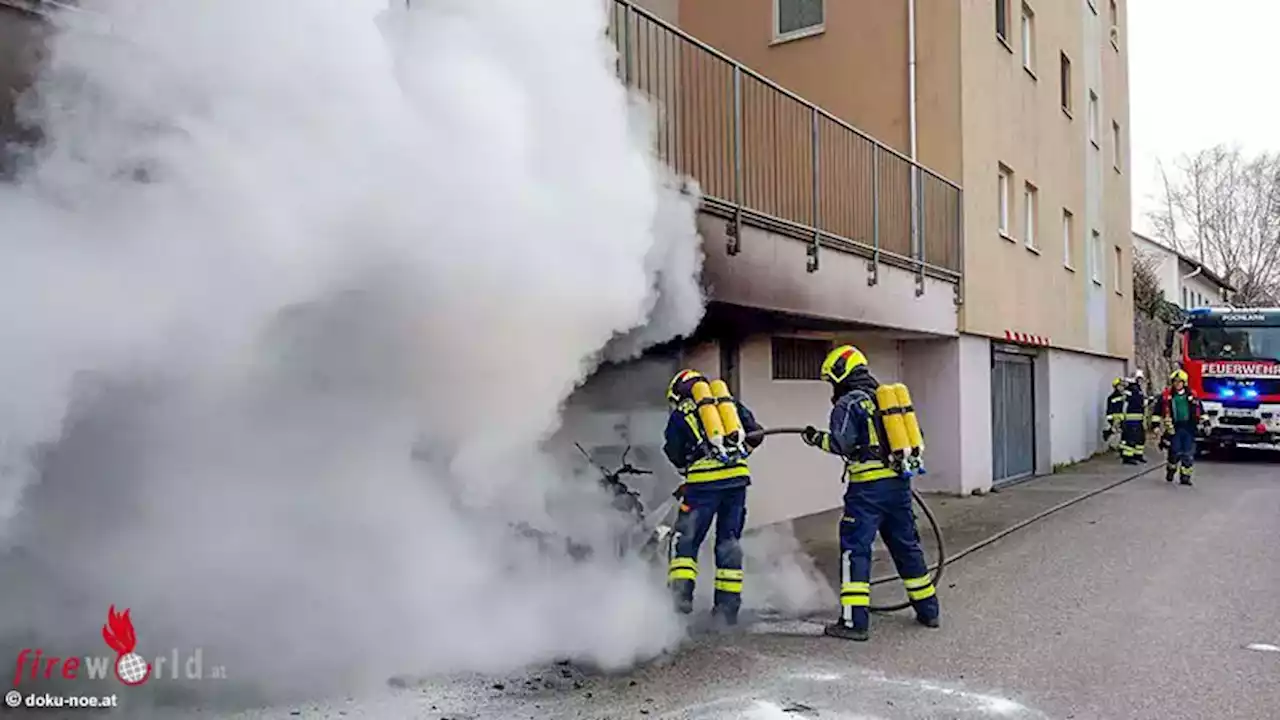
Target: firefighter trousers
1133, 441
1182, 453
728, 509
882, 506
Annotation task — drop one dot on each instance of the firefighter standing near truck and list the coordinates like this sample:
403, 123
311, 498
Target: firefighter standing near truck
707, 441
874, 429
1178, 413
1133, 432
1115, 411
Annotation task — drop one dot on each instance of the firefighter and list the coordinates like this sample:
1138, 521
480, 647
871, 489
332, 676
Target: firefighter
1178, 412
877, 498
1115, 411
1133, 433
714, 488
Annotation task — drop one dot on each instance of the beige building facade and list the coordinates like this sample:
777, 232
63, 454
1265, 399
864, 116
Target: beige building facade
1022, 105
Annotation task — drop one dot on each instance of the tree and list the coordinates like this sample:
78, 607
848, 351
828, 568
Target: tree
1153, 317
1223, 209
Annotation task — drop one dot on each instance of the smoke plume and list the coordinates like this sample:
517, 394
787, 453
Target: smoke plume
296, 292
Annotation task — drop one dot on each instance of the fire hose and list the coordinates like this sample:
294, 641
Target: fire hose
935, 569
658, 515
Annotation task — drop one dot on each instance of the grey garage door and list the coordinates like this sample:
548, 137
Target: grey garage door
1013, 439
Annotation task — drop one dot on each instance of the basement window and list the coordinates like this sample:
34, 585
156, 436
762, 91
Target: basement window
797, 358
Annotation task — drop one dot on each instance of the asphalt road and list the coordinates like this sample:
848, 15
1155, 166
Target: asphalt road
1139, 603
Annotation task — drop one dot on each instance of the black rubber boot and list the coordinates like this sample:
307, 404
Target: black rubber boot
1168, 476
682, 596
724, 616
1185, 480
929, 622
838, 629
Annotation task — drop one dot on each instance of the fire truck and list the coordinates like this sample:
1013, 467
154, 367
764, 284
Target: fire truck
1232, 360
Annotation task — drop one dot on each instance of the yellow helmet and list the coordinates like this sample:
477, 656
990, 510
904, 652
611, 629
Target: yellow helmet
1178, 375
841, 362
679, 387
1117, 382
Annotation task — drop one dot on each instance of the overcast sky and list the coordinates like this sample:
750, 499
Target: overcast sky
1199, 75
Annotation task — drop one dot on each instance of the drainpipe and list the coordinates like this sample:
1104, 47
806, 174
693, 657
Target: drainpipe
911, 119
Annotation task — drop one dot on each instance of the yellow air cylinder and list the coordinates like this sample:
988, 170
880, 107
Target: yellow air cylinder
894, 427
912, 424
707, 413
728, 410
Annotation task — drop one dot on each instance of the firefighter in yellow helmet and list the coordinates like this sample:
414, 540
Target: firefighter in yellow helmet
1115, 410
716, 477
877, 498
1178, 412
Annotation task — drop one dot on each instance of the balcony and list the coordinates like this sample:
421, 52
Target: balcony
769, 159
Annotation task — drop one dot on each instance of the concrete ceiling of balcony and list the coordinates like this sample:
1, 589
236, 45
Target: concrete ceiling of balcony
728, 320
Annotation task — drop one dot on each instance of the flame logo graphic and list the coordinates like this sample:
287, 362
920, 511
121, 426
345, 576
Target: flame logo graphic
118, 633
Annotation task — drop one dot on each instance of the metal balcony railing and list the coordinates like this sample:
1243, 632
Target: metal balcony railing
765, 156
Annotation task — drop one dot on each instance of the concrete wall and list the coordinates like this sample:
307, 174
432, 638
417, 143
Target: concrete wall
859, 36
770, 272
930, 369
791, 479
1078, 385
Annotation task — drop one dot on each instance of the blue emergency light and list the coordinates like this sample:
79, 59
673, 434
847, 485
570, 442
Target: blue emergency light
1227, 392
1250, 393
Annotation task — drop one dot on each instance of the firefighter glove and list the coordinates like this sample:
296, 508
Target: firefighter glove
811, 436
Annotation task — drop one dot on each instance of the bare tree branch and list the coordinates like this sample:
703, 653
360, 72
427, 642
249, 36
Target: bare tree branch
1223, 208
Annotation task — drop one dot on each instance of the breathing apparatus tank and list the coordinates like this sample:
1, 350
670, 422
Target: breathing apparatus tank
902, 428
709, 416
729, 419
915, 458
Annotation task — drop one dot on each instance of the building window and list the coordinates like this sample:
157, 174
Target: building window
1186, 298
1028, 39
1066, 84
1002, 20
1068, 232
1115, 144
1117, 275
797, 18
798, 358
1030, 214
1095, 257
1093, 118
1006, 200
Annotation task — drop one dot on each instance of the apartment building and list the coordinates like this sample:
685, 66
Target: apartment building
1185, 281
1017, 113
942, 183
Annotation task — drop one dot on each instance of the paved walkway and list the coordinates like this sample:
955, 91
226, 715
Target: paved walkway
970, 520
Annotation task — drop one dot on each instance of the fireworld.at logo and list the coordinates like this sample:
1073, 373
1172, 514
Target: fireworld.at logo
129, 667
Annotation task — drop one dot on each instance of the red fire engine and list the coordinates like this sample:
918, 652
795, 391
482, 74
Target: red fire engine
1232, 360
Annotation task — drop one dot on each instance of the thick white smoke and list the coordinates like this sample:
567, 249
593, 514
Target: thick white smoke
269, 248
